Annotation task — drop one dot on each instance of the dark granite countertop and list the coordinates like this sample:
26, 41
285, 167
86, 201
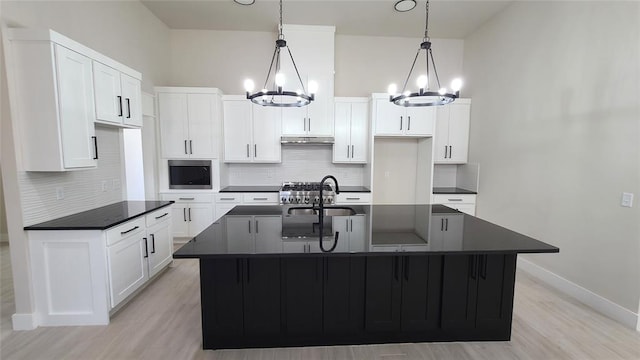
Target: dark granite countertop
354, 189
250, 189
101, 218
379, 230
452, 190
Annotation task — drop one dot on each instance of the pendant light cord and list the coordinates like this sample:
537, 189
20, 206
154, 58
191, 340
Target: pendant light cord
426, 23
280, 36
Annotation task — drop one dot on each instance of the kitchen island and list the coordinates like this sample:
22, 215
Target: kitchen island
400, 273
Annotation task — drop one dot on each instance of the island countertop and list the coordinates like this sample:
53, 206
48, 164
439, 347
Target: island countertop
379, 230
101, 218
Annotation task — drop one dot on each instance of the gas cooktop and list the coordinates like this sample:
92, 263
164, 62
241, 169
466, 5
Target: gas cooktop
306, 193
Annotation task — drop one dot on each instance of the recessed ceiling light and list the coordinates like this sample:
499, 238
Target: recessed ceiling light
404, 5
246, 2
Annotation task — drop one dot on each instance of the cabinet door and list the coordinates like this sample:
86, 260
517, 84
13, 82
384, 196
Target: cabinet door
237, 131
421, 292
359, 132
320, 111
262, 297
459, 132
294, 121
202, 126
77, 111
383, 294
240, 234
109, 100
459, 291
344, 295
160, 247
174, 128
419, 121
342, 144
222, 316
302, 295
131, 101
200, 217
266, 134
441, 135
389, 118
180, 222
268, 234
127, 261
357, 233
495, 292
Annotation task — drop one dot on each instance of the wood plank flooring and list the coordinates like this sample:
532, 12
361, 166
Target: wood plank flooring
163, 322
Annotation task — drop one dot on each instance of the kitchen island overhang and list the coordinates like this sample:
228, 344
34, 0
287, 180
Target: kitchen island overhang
412, 273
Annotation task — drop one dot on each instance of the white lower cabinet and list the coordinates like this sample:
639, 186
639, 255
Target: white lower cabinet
192, 212
465, 203
352, 232
249, 234
160, 247
346, 198
127, 266
447, 231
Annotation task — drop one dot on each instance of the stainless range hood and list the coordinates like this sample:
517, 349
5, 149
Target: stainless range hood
307, 140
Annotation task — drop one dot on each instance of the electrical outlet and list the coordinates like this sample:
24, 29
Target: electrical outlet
116, 184
59, 193
104, 185
627, 199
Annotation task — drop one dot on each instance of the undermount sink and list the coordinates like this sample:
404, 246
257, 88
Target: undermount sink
328, 211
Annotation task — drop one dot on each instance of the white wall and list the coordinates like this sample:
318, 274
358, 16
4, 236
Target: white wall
3, 219
123, 30
555, 127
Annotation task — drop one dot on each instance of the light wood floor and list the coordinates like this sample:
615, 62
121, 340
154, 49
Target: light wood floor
163, 322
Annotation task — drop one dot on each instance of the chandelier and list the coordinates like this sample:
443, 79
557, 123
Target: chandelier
277, 96
425, 96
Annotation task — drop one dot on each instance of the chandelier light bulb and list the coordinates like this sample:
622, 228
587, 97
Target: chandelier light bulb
249, 85
442, 91
280, 79
264, 97
392, 89
422, 81
407, 93
313, 87
456, 84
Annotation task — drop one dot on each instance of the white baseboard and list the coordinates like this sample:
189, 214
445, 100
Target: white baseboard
585, 296
23, 321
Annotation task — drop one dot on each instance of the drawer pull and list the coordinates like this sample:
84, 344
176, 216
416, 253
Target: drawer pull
454, 199
187, 198
161, 216
130, 230
227, 199
353, 198
262, 198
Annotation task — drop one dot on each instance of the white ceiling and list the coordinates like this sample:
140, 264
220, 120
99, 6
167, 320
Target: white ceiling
451, 19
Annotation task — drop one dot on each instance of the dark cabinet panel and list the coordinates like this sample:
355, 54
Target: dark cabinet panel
495, 291
459, 291
344, 295
302, 282
221, 288
383, 295
262, 296
421, 283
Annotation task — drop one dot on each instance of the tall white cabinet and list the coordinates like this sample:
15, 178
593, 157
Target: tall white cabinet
251, 132
451, 144
351, 130
189, 122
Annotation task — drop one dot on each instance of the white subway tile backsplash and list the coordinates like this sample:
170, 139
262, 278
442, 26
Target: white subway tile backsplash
82, 188
299, 163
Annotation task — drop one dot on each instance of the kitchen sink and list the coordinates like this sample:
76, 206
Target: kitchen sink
328, 211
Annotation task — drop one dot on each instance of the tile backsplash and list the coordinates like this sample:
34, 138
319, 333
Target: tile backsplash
299, 163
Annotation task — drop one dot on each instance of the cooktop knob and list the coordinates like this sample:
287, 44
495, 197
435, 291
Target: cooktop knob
291, 199
306, 199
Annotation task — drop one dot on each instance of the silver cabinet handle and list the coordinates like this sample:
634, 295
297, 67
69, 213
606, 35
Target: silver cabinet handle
191, 146
189, 198
454, 199
409, 125
221, 199
263, 199
247, 150
400, 122
353, 198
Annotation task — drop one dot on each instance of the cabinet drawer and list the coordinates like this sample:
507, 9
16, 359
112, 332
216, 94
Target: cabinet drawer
353, 198
158, 216
188, 197
125, 230
260, 198
230, 198
454, 198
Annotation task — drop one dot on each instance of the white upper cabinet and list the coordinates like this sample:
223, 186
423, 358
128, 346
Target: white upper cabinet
251, 132
118, 97
189, 122
312, 48
394, 120
351, 130
451, 141
51, 85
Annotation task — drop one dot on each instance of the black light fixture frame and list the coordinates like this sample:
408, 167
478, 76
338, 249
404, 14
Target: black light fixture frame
427, 97
269, 97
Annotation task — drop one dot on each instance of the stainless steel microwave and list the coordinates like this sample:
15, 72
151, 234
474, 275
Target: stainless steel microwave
189, 174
